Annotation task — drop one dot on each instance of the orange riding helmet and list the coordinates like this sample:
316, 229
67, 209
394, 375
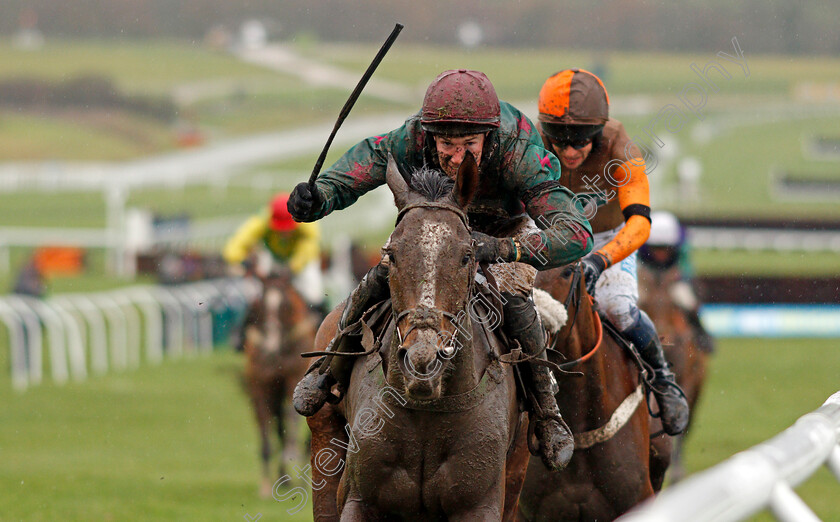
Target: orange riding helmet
281, 220
573, 104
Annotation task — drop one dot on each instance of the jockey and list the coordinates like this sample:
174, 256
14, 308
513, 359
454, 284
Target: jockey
461, 113
601, 165
666, 252
287, 242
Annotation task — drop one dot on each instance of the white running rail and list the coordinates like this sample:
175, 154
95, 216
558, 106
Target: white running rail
762, 477
103, 331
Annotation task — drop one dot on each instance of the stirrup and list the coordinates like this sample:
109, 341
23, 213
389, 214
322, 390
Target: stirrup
664, 383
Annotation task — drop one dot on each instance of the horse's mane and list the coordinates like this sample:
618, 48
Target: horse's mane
431, 184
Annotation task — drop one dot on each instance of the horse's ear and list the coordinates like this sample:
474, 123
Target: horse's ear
396, 182
466, 183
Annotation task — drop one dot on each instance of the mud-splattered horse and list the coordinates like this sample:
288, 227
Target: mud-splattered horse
603, 403
433, 414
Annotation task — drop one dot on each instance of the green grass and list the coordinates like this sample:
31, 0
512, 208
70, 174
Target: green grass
82, 137
756, 389
177, 441
135, 65
737, 163
765, 263
519, 73
243, 98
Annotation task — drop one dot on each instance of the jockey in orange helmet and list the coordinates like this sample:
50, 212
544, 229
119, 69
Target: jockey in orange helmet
287, 241
602, 166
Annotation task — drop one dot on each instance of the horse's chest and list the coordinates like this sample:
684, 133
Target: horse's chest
419, 462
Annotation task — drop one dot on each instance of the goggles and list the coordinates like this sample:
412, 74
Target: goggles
575, 144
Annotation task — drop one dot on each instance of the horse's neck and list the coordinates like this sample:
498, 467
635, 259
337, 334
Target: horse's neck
585, 333
578, 339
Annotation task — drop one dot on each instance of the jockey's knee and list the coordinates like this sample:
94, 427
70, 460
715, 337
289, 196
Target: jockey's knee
621, 311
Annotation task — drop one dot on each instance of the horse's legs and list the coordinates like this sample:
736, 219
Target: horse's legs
263, 414
326, 425
289, 436
677, 468
515, 468
660, 456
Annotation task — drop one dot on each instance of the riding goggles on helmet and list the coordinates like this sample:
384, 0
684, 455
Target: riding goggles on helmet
577, 145
576, 136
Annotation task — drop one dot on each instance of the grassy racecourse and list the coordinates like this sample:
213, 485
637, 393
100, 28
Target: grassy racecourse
177, 441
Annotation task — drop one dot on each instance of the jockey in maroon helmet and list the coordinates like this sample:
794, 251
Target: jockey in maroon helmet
521, 218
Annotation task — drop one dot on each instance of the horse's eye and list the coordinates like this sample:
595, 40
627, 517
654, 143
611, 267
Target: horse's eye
465, 261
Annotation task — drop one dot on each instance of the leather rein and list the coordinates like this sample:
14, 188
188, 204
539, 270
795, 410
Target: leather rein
575, 295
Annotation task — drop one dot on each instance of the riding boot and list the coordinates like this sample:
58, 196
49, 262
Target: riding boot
314, 389
673, 408
523, 325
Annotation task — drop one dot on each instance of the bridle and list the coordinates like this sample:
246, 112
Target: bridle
575, 295
427, 317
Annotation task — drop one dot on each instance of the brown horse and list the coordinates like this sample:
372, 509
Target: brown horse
433, 415
688, 361
278, 328
603, 403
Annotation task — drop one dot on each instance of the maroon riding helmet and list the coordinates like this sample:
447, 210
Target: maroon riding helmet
460, 102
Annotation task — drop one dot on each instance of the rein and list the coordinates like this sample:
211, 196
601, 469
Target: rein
575, 294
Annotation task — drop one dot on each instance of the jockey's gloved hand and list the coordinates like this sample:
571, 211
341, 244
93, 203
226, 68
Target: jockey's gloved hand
592, 267
489, 249
304, 202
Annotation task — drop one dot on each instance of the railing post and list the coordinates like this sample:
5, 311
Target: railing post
17, 346
34, 338
98, 332
174, 321
153, 312
788, 507
118, 335
132, 319
75, 340
55, 335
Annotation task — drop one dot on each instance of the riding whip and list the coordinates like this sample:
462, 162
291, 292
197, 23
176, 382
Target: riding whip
352, 100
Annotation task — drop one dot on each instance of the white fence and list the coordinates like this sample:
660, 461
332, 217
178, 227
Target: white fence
762, 477
116, 330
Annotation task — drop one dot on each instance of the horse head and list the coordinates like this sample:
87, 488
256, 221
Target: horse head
431, 269
274, 313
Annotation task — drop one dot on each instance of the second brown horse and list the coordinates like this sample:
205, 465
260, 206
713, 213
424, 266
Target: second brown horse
603, 403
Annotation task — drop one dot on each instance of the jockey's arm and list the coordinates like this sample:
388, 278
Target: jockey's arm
358, 171
634, 200
239, 247
566, 234
307, 247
